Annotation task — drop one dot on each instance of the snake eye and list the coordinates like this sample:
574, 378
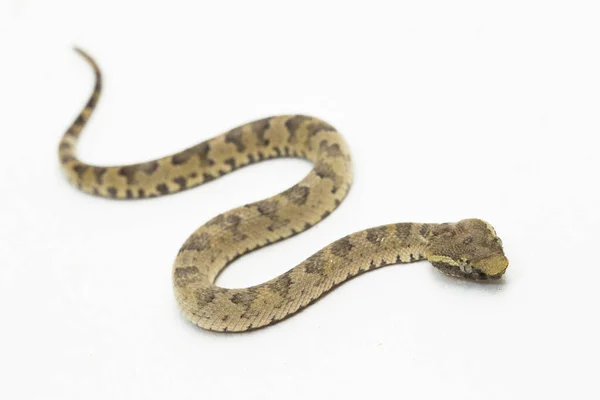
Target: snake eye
468, 240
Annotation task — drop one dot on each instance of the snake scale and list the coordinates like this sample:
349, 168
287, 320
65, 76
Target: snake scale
468, 249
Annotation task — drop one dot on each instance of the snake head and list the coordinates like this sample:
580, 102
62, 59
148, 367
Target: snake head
468, 249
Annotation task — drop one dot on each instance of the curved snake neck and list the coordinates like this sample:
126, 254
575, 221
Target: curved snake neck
239, 231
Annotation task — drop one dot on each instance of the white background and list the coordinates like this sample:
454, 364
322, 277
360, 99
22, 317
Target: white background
452, 109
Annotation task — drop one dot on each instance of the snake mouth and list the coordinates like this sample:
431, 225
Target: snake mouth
489, 268
466, 271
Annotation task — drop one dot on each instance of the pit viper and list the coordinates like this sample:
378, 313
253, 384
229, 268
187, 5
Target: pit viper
468, 249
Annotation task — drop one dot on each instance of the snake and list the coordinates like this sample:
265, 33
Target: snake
468, 249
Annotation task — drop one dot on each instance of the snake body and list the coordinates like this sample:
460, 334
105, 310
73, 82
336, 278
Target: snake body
469, 249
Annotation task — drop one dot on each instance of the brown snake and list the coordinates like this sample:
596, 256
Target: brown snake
468, 249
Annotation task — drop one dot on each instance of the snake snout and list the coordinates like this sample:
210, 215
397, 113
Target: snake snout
492, 267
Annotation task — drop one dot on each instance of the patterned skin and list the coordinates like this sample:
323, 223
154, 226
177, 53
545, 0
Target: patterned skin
469, 249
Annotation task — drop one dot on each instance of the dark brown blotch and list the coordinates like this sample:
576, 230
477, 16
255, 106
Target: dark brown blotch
333, 150
80, 169
297, 194
200, 150
325, 171
112, 191
206, 177
231, 162
376, 235
244, 297
260, 128
232, 220
162, 188
129, 171
403, 230
80, 121
234, 136
342, 247
197, 242
225, 221
281, 285
72, 132
314, 264
218, 220
66, 158
278, 223
318, 127
148, 167
443, 229
99, 173
267, 207
205, 296
181, 181
91, 104
294, 123
184, 275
